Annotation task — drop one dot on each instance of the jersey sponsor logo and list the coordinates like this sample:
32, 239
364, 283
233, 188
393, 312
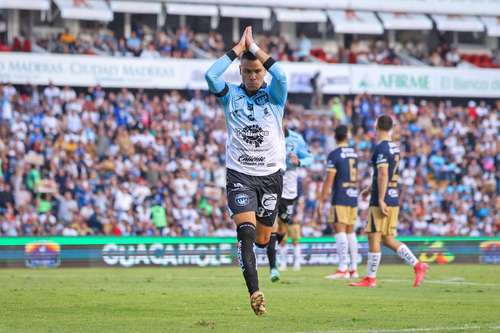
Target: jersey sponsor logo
251, 160
352, 193
290, 147
241, 199
393, 193
269, 201
348, 153
252, 134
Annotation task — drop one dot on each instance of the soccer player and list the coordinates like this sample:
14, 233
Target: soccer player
297, 155
384, 207
255, 150
342, 179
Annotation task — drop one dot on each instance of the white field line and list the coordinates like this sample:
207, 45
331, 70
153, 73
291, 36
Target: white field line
411, 330
446, 282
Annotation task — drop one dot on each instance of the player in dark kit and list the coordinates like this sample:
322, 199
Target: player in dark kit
384, 207
342, 179
255, 150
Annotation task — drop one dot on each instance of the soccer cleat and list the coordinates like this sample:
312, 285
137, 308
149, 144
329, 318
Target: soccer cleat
353, 274
338, 275
365, 282
258, 303
296, 266
282, 267
275, 275
420, 270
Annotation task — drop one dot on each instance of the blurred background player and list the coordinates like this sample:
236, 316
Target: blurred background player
384, 207
342, 179
255, 150
297, 155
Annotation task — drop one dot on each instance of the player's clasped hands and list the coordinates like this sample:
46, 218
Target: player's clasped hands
246, 40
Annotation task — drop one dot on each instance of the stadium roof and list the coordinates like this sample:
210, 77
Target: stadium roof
93, 10
300, 15
245, 12
492, 25
188, 9
135, 7
25, 4
355, 22
458, 23
405, 21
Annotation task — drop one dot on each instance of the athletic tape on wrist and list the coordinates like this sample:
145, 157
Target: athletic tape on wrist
253, 48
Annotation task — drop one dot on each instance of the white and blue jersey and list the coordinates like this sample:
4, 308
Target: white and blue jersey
295, 144
256, 142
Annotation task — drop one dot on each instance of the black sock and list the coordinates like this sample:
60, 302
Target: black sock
246, 255
279, 237
271, 250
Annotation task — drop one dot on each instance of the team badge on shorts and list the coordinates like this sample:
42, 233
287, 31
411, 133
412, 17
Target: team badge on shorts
241, 199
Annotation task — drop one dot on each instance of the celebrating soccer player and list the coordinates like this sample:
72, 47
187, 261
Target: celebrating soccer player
297, 155
384, 207
342, 179
255, 150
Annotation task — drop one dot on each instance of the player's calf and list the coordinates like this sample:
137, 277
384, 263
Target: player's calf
246, 256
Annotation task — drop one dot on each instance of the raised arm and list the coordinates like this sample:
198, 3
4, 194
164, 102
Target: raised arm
278, 88
213, 76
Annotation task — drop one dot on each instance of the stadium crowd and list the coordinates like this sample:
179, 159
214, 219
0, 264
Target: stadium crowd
129, 163
183, 42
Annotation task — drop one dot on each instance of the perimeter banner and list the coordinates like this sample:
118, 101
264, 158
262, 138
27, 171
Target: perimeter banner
167, 73
213, 252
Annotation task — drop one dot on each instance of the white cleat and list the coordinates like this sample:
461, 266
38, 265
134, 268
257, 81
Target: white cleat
282, 268
296, 267
354, 274
338, 275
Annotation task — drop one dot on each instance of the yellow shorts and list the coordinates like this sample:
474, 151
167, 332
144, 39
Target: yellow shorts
387, 225
343, 214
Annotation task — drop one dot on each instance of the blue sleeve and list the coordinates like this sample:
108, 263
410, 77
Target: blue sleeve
278, 87
213, 76
304, 154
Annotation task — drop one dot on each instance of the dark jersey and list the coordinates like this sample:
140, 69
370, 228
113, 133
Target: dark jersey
386, 152
345, 186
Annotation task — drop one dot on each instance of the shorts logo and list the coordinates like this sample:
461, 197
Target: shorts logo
241, 199
252, 134
269, 201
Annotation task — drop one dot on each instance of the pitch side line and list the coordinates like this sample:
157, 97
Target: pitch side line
446, 282
411, 330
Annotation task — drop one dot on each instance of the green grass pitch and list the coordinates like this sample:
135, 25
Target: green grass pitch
454, 298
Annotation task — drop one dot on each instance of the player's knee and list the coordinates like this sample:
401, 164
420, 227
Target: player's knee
262, 245
262, 241
246, 231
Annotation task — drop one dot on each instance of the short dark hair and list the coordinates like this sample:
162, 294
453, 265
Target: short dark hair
248, 56
384, 123
341, 133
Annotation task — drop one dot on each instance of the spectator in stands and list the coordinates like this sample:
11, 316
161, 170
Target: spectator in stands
304, 47
113, 156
